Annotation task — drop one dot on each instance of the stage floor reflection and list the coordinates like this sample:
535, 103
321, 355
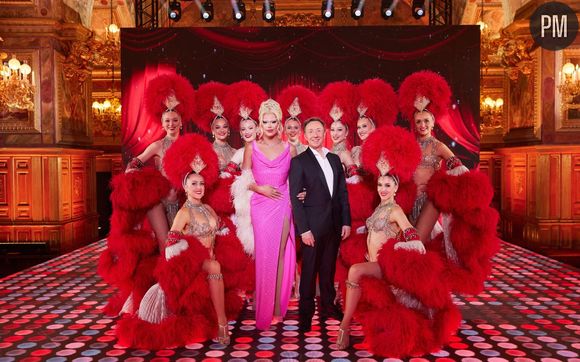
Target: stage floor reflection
528, 312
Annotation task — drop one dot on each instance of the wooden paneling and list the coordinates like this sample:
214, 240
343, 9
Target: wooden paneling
5, 188
540, 195
48, 195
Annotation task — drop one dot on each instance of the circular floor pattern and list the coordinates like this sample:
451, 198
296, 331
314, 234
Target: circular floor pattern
528, 312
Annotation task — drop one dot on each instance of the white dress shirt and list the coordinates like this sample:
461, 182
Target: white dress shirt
326, 168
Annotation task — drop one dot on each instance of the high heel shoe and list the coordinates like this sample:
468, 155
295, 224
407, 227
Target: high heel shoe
223, 334
343, 339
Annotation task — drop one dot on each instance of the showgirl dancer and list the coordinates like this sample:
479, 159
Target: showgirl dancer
139, 194
189, 300
161, 102
405, 307
469, 238
298, 103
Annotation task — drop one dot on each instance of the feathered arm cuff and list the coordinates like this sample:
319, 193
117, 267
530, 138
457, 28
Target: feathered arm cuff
175, 244
134, 164
412, 241
455, 167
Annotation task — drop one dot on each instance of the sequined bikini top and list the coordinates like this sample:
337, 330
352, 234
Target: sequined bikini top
379, 221
430, 158
200, 230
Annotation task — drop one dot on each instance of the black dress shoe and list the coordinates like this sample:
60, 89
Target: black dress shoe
334, 313
304, 326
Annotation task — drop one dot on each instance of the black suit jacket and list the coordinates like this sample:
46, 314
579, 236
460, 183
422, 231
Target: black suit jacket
319, 213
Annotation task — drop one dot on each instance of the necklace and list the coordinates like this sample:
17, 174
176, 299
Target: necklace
165, 144
224, 146
339, 147
425, 142
191, 205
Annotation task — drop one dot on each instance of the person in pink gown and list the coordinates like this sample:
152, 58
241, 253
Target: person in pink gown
271, 213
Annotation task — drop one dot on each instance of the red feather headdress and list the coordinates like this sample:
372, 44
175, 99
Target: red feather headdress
210, 98
170, 92
338, 100
298, 102
424, 90
378, 101
188, 149
243, 101
397, 146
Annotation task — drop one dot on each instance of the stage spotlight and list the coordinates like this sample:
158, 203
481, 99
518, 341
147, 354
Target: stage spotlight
357, 9
418, 8
238, 10
174, 10
387, 8
327, 9
269, 11
206, 11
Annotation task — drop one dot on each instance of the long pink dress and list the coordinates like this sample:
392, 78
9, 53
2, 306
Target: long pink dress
268, 217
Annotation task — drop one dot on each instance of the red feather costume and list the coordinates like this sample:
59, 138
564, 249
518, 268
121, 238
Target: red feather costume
469, 240
409, 311
132, 253
178, 309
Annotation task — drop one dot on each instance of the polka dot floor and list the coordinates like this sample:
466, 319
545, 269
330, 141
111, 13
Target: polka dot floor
528, 312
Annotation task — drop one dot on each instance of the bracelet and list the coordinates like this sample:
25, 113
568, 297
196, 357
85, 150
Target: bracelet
453, 162
135, 164
410, 234
173, 237
352, 170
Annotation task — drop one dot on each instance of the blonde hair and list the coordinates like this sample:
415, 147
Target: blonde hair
270, 106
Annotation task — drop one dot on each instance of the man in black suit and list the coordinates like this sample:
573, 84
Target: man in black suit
322, 219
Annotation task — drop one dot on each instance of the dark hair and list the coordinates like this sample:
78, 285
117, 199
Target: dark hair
393, 177
313, 119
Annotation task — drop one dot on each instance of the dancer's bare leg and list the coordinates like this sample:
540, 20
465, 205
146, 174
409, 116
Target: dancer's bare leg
426, 221
355, 273
158, 221
216, 291
280, 271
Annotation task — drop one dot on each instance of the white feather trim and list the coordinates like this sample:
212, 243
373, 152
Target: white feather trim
354, 179
459, 170
437, 229
153, 308
361, 229
176, 249
243, 220
413, 245
128, 305
223, 231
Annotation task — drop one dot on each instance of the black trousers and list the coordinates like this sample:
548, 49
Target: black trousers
320, 260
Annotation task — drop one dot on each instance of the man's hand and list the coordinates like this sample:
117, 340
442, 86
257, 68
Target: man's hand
308, 238
345, 232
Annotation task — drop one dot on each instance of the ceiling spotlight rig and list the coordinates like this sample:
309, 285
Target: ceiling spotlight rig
327, 9
269, 11
206, 10
388, 8
174, 11
357, 9
418, 7
238, 10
